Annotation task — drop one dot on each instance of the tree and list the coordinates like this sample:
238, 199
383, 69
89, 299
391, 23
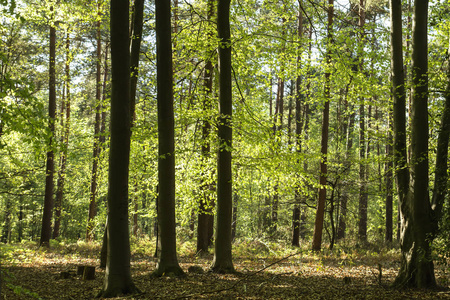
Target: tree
222, 262
362, 223
65, 127
118, 279
419, 215
46, 230
97, 124
205, 214
318, 224
298, 129
168, 262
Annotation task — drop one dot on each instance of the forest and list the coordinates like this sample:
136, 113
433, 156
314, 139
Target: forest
206, 149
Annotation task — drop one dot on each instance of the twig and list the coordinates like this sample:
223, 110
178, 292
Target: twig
240, 280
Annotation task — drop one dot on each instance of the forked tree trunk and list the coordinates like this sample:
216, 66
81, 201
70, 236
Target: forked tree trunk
223, 262
416, 269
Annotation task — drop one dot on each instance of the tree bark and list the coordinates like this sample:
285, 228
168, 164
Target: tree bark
416, 268
65, 126
168, 262
389, 187
96, 147
318, 224
222, 262
362, 222
298, 130
205, 214
46, 230
118, 279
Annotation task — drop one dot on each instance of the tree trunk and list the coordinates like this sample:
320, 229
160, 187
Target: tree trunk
168, 262
96, 148
136, 38
362, 222
65, 125
389, 197
46, 230
417, 269
318, 224
222, 262
298, 131
118, 279
205, 214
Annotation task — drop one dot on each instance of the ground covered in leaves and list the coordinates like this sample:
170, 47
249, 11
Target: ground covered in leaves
263, 272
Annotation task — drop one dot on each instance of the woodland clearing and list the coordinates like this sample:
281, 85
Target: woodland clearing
29, 272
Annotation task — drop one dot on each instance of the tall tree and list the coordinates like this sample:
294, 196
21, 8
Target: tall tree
223, 262
135, 51
298, 128
363, 196
46, 230
97, 124
318, 224
65, 127
118, 279
168, 262
205, 214
419, 215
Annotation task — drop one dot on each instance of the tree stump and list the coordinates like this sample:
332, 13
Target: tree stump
80, 270
89, 273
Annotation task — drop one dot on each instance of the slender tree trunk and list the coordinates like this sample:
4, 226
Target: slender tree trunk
168, 262
96, 148
234, 219
118, 279
46, 230
389, 186
206, 215
65, 125
362, 222
222, 262
318, 224
6, 232
298, 130
136, 38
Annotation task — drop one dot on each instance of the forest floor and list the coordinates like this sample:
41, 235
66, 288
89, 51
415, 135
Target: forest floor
29, 272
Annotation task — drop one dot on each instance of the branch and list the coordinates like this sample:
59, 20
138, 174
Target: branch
240, 280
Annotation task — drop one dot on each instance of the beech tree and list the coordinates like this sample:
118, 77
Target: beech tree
420, 214
46, 231
318, 224
167, 262
223, 262
118, 279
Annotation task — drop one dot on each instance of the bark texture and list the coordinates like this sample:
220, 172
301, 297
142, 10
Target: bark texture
118, 279
222, 262
168, 262
46, 230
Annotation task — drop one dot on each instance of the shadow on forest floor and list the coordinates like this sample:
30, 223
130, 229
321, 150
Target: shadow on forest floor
300, 277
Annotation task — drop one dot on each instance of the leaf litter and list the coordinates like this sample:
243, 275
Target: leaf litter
37, 274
